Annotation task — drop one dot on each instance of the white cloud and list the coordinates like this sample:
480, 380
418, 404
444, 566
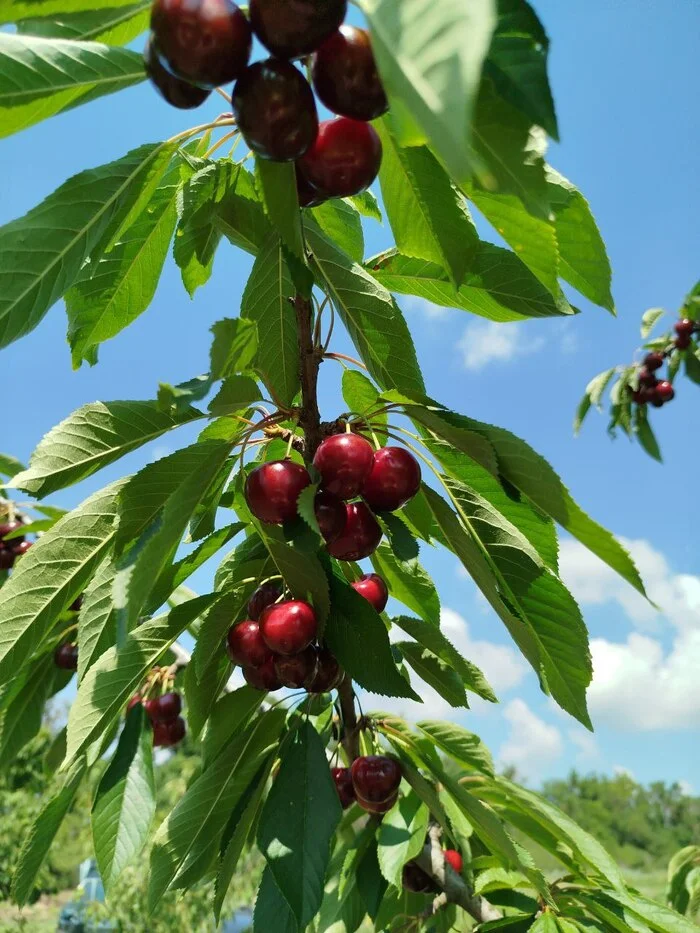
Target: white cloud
587, 750
687, 788
622, 771
487, 342
532, 745
421, 305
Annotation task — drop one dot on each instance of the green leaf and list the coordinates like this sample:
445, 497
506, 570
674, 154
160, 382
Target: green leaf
278, 191
307, 511
645, 435
44, 251
658, 917
341, 223
545, 923
22, 717
93, 437
430, 636
51, 576
215, 625
236, 394
409, 583
298, 822
463, 747
692, 367
230, 715
272, 910
239, 214
650, 319
199, 819
201, 695
401, 836
498, 285
594, 394
361, 396
119, 673
428, 216
117, 26
10, 466
267, 300
371, 316
42, 77
430, 59
11, 11
301, 571
43, 832
359, 640
367, 204
435, 672
97, 630
233, 348
125, 802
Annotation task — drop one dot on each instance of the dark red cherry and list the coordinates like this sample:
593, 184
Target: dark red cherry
161, 735
343, 784
7, 559
20, 548
76, 605
263, 677
265, 595
330, 515
684, 328
374, 590
344, 462
376, 778
288, 628
327, 675
151, 707
166, 708
292, 28
416, 880
272, 490
205, 42
276, 111
646, 378
361, 535
665, 391
653, 361
683, 341
345, 158
308, 196
174, 90
378, 808
295, 670
454, 860
394, 480
345, 75
66, 657
245, 645
6, 529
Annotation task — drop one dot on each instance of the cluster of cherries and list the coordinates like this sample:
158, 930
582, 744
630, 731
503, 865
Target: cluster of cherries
164, 713
198, 45
654, 391
14, 548
349, 468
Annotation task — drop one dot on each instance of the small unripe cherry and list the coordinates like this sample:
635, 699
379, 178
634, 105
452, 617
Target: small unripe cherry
454, 860
374, 590
394, 480
288, 628
361, 535
344, 462
272, 490
293, 671
245, 645
342, 779
263, 677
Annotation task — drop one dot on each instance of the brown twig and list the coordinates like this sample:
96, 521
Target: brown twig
309, 361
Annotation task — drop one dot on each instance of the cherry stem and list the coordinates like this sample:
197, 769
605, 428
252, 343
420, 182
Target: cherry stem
327, 341
223, 93
224, 139
344, 356
202, 128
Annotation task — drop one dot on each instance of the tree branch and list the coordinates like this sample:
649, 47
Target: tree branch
309, 361
351, 732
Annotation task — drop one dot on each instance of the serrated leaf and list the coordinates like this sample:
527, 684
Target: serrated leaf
278, 191
463, 747
298, 822
230, 715
644, 433
366, 203
199, 819
97, 629
233, 348
51, 576
401, 836
435, 672
93, 437
119, 673
430, 59
44, 251
361, 396
267, 300
215, 625
22, 717
236, 394
409, 583
650, 319
201, 695
125, 802
692, 367
11, 11
341, 223
545, 923
10, 466
498, 285
112, 26
240, 216
306, 509
42, 77
594, 393
272, 910
301, 571
428, 217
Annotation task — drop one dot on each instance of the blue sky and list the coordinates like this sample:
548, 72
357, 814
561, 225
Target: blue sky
625, 79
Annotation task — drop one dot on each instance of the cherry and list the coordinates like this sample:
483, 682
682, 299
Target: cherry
206, 42
344, 462
21, 548
151, 707
665, 391
378, 808
330, 515
684, 328
646, 378
682, 342
166, 708
454, 860
265, 595
327, 675
308, 196
66, 657
345, 75
276, 111
343, 784
394, 480
272, 490
6, 529
374, 590
345, 158
416, 880
294, 671
376, 778
174, 90
288, 628
7, 559
76, 605
245, 645
167, 734
291, 28
653, 361
361, 535
263, 677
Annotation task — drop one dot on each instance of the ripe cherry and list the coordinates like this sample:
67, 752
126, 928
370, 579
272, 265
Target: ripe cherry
308, 196
265, 595
288, 628
330, 515
683, 341
361, 535
653, 361
378, 808
245, 645
166, 708
7, 528
76, 605
376, 778
345, 75
205, 42
646, 378
343, 784
684, 328
272, 490
175, 91
295, 670
374, 590
167, 734
416, 880
327, 675
665, 391
454, 860
66, 657
345, 158
291, 28
7, 559
394, 480
263, 677
276, 111
21, 548
344, 462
